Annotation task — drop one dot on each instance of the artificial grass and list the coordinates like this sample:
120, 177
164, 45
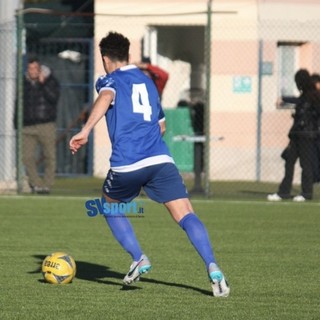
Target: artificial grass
268, 251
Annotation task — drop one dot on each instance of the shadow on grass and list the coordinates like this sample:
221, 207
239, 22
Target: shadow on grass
98, 273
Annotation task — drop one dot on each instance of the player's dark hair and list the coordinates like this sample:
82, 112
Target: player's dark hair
115, 46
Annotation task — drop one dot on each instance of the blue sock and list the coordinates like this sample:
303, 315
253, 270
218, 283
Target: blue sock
197, 234
123, 231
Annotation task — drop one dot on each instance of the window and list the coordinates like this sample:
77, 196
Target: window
288, 57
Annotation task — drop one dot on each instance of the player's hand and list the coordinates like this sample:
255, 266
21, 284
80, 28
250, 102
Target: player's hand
78, 141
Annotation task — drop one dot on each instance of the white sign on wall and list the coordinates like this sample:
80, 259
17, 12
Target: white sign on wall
242, 84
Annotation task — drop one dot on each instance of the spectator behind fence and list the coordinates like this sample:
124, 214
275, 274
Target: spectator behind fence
41, 95
303, 136
316, 80
158, 75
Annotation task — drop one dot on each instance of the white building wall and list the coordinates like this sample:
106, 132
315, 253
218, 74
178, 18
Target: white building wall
237, 28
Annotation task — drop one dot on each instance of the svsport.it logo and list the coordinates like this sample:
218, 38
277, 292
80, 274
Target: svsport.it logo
116, 209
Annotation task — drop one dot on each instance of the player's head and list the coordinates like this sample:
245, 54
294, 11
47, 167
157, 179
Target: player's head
115, 47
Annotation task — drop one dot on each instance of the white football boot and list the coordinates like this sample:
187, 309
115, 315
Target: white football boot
137, 268
220, 287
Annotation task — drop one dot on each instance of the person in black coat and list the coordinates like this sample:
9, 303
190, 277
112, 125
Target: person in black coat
303, 136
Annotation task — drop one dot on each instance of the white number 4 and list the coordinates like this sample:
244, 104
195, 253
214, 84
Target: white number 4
140, 101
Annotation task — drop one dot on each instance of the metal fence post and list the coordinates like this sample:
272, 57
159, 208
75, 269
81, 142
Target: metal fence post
259, 112
207, 101
19, 90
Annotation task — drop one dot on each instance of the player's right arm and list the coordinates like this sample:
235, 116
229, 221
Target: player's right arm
100, 107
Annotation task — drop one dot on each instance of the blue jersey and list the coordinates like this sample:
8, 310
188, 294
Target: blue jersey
133, 120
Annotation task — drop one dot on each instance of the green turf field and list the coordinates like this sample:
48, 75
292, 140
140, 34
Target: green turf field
270, 253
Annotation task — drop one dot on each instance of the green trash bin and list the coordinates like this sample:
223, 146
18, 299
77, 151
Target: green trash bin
178, 123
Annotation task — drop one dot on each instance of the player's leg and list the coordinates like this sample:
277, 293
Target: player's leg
182, 213
167, 187
120, 225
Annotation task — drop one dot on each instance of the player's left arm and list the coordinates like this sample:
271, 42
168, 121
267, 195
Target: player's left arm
162, 120
100, 107
162, 124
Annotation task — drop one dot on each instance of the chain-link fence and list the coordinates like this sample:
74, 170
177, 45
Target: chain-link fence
7, 93
219, 100
31, 148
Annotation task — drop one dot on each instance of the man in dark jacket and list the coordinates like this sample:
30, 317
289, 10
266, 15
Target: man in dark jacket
303, 136
41, 95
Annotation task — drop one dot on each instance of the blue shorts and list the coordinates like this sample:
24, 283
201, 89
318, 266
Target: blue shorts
162, 183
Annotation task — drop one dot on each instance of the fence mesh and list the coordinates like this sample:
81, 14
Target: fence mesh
252, 64
7, 92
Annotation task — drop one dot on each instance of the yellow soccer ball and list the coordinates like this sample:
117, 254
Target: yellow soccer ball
58, 268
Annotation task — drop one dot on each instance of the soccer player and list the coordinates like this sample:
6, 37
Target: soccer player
140, 158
